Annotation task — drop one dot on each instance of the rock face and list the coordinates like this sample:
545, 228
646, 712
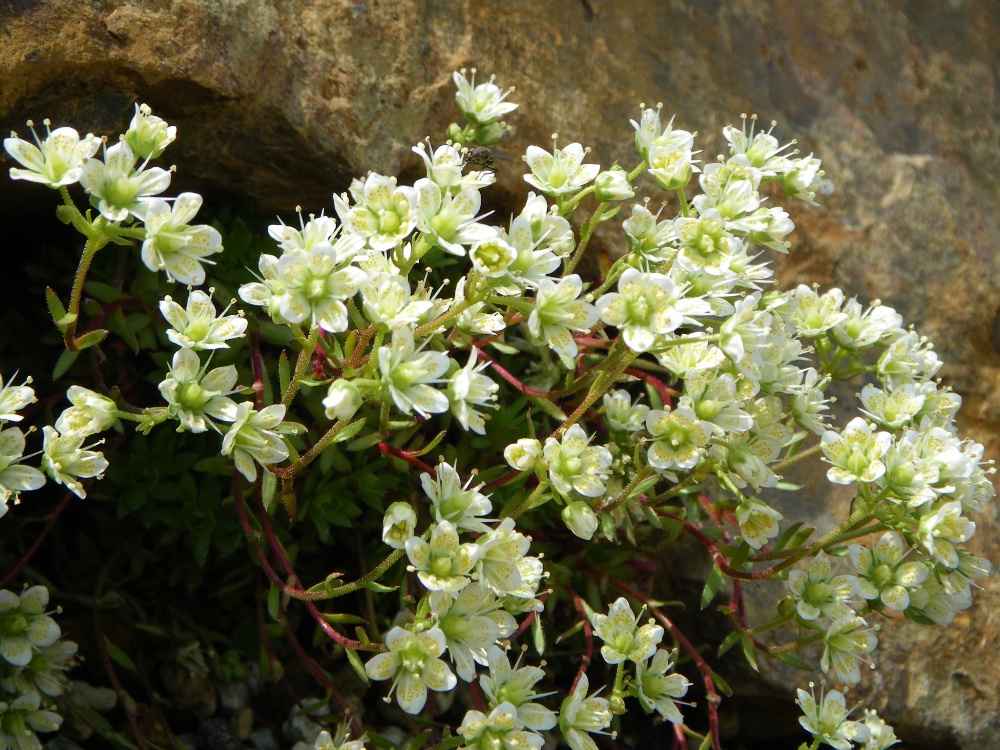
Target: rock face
282, 103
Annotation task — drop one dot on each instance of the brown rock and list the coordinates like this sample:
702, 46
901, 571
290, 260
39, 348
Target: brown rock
284, 103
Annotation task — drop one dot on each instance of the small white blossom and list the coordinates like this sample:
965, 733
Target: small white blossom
846, 642
119, 187
523, 454
621, 414
558, 312
413, 664
408, 374
196, 396
492, 257
14, 476
398, 524
443, 564
468, 389
815, 315
882, 574
147, 134
855, 453
549, 231
760, 149
517, 687
580, 518
26, 627
197, 327
881, 735
705, 245
444, 166
387, 302
482, 104
657, 690
343, 399
864, 328
942, 529
13, 398
501, 730
580, 715
648, 237
803, 178
254, 436
319, 230
471, 622
56, 161
828, 721
758, 522
21, 718
613, 185
66, 461
172, 244
671, 159
460, 504
574, 465
449, 221
560, 172
910, 357
90, 413
678, 437
501, 564
623, 637
384, 214
817, 592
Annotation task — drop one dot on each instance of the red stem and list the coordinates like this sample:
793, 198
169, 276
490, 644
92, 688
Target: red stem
514, 381
408, 457
665, 391
258, 369
588, 637
26, 557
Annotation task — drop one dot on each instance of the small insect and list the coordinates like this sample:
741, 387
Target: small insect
485, 158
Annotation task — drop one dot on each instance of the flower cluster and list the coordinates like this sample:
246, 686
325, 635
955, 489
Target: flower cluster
32, 661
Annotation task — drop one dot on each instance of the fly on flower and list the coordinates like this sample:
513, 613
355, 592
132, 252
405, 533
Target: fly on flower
485, 158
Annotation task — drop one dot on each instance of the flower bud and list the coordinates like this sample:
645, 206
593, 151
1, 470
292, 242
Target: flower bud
580, 518
147, 134
342, 400
90, 413
398, 525
487, 135
523, 455
613, 185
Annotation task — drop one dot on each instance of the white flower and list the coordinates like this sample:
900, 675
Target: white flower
119, 187
413, 665
147, 134
864, 328
815, 315
523, 455
339, 742
408, 373
705, 244
56, 161
501, 730
460, 504
384, 215
388, 303
90, 413
883, 574
651, 239
657, 690
579, 716
450, 221
580, 518
66, 461
803, 178
613, 185
253, 436
910, 476
881, 735
758, 522
761, 149
670, 159
517, 687
471, 622
198, 397
818, 592
13, 398
501, 556
828, 722
557, 312
623, 637
21, 718
481, 104
712, 396
855, 453
14, 477
846, 642
24, 626
560, 172
678, 437
684, 358
647, 305
535, 259
549, 231
196, 325
319, 230
942, 529
473, 320
172, 244
343, 399
492, 257
933, 601
442, 564
574, 465
444, 166
468, 388
317, 282
648, 129
808, 400
398, 524
910, 357
621, 414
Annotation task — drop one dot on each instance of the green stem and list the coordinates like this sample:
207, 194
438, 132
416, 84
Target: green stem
640, 476
565, 209
321, 445
770, 625
637, 171
454, 312
798, 457
300, 365
373, 575
524, 506
605, 380
95, 242
683, 200
585, 233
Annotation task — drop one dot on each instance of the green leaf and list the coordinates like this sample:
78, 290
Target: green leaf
548, 407
712, 585
719, 682
748, 653
420, 740
273, 599
284, 373
788, 486
56, 309
499, 346
431, 445
782, 541
93, 338
66, 359
364, 443
789, 659
120, 324
538, 635
740, 556
340, 618
351, 430
644, 485
729, 642
652, 517
104, 292
268, 484
359, 668
118, 656
378, 588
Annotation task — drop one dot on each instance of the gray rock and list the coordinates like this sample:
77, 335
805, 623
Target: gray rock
215, 734
233, 696
263, 739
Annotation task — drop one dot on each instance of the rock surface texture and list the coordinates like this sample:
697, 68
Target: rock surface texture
282, 103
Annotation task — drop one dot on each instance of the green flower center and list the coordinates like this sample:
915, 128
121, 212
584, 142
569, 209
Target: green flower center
121, 191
